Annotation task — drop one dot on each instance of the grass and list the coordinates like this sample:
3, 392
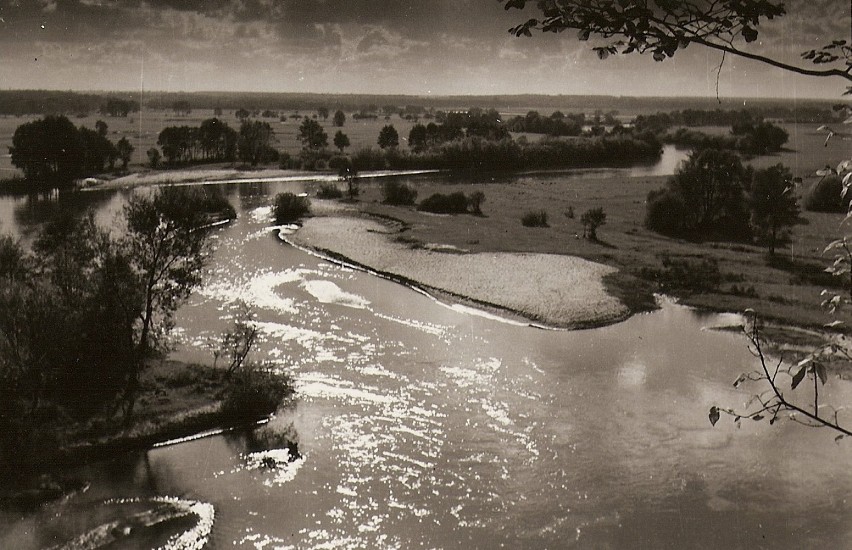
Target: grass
633, 248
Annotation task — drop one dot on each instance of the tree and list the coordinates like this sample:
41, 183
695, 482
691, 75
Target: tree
98, 152
101, 127
708, 191
153, 157
474, 201
773, 202
124, 150
388, 137
255, 142
119, 107
341, 140
664, 27
350, 175
417, 138
48, 150
181, 107
591, 220
339, 118
160, 261
242, 114
312, 135
218, 141
323, 112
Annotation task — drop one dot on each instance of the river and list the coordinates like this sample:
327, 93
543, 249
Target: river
421, 425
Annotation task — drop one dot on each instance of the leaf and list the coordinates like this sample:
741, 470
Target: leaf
739, 380
749, 34
757, 417
799, 376
602, 53
714, 415
659, 55
839, 437
833, 324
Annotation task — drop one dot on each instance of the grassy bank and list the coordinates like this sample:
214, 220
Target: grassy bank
786, 289
176, 400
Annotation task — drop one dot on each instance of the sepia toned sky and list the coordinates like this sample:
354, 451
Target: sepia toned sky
421, 47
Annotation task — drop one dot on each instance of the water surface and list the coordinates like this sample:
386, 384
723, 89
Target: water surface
422, 426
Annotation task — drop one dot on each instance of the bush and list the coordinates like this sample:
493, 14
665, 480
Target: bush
289, 207
685, 275
454, 203
535, 218
215, 204
337, 162
665, 212
591, 220
329, 191
824, 196
255, 393
398, 193
475, 200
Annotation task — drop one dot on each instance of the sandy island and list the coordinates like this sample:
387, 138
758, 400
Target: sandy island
549, 289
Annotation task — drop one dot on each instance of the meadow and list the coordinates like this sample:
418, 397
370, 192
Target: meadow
786, 289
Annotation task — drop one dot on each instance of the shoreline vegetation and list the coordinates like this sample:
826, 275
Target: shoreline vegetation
176, 400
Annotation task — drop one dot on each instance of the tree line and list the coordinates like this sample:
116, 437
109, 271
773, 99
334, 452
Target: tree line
52, 151
215, 141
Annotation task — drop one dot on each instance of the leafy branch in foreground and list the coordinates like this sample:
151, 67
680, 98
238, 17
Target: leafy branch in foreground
773, 403
662, 27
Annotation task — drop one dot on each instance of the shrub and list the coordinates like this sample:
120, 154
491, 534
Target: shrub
454, 203
535, 218
337, 162
475, 200
824, 196
591, 220
329, 191
215, 204
289, 207
255, 393
685, 275
398, 193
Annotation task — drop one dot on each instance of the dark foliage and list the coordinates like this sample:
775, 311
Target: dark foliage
254, 393
826, 196
329, 191
535, 218
711, 187
289, 208
399, 194
685, 275
454, 203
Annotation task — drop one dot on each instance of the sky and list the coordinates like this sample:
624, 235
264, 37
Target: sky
417, 47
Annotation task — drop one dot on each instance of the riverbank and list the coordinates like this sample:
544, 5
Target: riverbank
176, 401
719, 276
